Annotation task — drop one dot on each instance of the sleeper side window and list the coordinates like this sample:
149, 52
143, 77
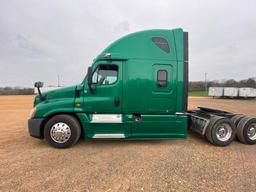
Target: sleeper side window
162, 77
105, 74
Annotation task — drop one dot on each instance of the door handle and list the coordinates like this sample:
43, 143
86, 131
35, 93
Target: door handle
117, 102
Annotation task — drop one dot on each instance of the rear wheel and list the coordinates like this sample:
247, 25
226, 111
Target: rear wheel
62, 131
221, 131
236, 119
246, 130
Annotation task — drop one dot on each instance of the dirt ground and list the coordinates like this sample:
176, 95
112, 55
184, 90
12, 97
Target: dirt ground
29, 164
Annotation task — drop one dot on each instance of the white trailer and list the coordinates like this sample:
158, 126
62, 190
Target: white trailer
247, 92
215, 91
231, 92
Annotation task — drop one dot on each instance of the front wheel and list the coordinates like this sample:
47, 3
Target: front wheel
62, 131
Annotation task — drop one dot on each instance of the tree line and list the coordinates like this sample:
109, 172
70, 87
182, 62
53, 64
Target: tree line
202, 85
193, 86
16, 91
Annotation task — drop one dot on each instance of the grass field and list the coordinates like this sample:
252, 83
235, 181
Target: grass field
29, 164
198, 93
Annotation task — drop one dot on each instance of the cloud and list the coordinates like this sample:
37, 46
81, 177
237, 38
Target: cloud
42, 39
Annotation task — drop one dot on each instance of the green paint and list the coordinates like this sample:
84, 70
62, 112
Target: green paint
135, 91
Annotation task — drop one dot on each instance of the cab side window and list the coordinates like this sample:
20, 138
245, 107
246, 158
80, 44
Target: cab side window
105, 74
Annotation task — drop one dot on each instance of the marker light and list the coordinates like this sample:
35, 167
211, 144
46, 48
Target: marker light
107, 56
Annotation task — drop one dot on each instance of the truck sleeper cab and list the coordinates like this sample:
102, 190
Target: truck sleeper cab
135, 89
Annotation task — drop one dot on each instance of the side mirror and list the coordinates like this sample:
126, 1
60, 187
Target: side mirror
38, 85
89, 79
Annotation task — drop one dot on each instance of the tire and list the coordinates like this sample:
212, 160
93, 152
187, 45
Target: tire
62, 131
246, 130
208, 133
236, 119
221, 131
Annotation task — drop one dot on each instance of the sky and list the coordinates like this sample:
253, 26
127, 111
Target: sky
40, 40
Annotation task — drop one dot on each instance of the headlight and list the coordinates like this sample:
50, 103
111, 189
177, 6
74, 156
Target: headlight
32, 113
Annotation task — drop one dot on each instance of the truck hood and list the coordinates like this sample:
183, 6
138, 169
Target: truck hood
58, 94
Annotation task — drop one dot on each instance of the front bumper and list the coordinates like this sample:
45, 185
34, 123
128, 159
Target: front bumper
35, 128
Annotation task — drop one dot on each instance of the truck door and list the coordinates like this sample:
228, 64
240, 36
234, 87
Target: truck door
107, 82
104, 106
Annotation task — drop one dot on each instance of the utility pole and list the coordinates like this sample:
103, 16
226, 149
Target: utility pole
205, 81
58, 81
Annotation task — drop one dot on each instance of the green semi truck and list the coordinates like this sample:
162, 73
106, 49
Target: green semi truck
136, 89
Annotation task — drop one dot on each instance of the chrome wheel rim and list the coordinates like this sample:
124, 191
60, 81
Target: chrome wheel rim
252, 132
60, 132
224, 132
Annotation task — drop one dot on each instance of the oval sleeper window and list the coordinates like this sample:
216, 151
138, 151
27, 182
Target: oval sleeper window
161, 43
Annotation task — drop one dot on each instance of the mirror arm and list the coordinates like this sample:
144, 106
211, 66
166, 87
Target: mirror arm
38, 85
40, 94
